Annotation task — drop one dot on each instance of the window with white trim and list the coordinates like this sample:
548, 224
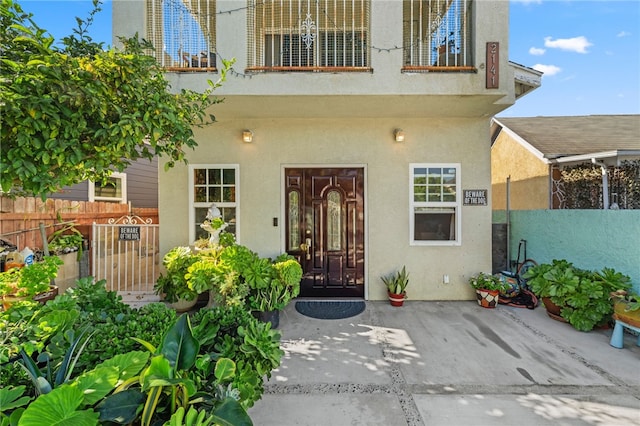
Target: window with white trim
213, 184
114, 189
434, 204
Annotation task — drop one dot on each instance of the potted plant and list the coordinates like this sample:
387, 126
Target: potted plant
577, 296
30, 282
488, 288
173, 286
272, 285
396, 284
626, 307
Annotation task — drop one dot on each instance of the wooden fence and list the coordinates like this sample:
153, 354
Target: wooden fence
21, 218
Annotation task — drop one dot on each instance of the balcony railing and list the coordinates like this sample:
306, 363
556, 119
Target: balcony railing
436, 35
183, 33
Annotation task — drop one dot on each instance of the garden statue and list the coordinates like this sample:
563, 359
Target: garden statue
214, 224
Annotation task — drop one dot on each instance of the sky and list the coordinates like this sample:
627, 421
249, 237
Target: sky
589, 50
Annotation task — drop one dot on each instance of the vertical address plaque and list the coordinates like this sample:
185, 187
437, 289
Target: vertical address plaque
493, 65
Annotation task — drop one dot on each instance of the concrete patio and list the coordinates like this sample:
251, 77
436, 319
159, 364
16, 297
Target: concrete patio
449, 363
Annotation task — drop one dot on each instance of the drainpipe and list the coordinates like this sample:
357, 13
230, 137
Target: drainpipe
605, 183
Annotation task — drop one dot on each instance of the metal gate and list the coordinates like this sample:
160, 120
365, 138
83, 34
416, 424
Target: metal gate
125, 253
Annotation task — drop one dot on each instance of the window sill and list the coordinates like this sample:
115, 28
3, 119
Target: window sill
310, 69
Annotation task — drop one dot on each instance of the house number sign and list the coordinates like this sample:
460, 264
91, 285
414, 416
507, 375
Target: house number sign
493, 65
474, 197
129, 233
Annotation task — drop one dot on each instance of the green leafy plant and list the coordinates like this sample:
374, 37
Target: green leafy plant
396, 282
582, 295
232, 332
483, 281
272, 285
174, 284
30, 280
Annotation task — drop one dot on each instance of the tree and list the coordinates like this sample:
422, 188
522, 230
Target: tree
80, 112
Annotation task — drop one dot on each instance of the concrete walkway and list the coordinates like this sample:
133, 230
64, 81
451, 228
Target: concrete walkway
449, 363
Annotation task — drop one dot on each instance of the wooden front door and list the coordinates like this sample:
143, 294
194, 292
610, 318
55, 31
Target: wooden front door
325, 229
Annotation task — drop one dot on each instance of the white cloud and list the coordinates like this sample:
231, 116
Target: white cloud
575, 44
548, 70
536, 51
623, 34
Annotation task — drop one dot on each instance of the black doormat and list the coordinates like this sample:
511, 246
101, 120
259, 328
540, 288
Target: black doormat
330, 309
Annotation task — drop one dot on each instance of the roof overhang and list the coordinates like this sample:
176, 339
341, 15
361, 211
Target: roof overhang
611, 158
525, 79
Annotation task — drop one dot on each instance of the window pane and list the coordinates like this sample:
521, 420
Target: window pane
215, 177
200, 195
294, 220
229, 195
200, 176
111, 189
334, 220
434, 224
228, 176
215, 194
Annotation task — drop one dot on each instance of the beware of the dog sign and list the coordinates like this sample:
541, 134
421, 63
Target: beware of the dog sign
474, 197
129, 233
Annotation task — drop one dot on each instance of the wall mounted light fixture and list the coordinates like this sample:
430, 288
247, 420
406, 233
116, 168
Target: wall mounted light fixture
399, 135
247, 136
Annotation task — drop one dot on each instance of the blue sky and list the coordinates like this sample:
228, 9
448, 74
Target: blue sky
588, 49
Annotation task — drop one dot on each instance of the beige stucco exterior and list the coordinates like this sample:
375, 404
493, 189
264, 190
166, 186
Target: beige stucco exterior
528, 176
347, 119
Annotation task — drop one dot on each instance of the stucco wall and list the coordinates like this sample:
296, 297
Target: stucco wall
529, 176
364, 142
590, 239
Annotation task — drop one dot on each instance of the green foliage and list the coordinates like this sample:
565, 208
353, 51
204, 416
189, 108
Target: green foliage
234, 333
174, 284
81, 112
482, 281
396, 282
30, 280
272, 285
584, 296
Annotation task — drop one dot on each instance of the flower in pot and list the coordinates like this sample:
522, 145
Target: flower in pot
626, 307
396, 284
29, 281
173, 286
488, 288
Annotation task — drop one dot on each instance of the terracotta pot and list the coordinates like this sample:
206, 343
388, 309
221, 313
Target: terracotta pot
487, 298
396, 299
553, 310
631, 317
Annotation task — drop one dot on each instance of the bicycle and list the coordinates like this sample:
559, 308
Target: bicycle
524, 266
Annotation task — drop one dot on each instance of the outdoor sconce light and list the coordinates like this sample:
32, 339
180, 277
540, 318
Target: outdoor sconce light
399, 135
247, 136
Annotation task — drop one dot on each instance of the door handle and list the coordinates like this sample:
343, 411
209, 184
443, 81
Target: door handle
306, 247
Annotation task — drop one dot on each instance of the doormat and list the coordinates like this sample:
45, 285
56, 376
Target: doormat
321, 309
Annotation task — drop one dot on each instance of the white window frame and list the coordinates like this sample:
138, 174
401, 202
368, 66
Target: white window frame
193, 205
456, 205
122, 199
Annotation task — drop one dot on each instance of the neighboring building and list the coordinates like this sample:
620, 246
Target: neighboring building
348, 133
531, 152
137, 184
